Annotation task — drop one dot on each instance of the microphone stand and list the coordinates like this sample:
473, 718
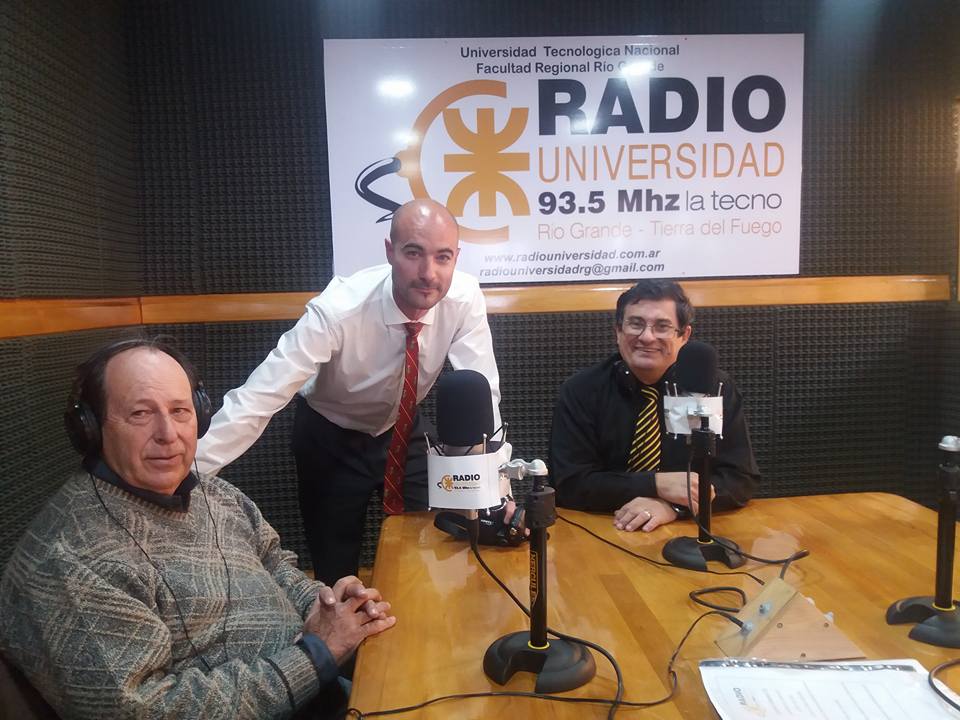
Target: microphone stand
937, 618
559, 665
693, 553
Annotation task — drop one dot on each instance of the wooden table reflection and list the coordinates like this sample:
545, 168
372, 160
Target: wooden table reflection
867, 550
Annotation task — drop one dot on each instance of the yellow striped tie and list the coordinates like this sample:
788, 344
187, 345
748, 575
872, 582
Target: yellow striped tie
645, 448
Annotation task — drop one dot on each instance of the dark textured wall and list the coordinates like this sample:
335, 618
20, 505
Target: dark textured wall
230, 101
69, 219
68, 151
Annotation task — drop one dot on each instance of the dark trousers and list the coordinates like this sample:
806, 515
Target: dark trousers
330, 704
337, 471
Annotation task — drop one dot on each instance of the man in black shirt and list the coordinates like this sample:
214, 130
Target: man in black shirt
608, 448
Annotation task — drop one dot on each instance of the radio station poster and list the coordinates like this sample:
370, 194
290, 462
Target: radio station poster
571, 159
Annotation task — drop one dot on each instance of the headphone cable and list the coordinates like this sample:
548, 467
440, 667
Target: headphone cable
163, 579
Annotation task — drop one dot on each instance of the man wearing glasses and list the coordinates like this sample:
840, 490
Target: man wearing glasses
608, 448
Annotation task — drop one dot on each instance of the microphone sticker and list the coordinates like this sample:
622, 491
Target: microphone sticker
466, 482
459, 482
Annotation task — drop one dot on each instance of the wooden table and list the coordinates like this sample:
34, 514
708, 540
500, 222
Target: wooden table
867, 550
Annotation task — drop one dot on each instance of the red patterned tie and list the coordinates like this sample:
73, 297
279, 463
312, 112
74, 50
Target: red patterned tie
397, 454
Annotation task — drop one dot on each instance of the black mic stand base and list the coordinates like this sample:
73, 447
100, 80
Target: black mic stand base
934, 625
690, 553
560, 666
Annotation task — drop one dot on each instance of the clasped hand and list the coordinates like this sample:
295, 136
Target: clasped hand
346, 614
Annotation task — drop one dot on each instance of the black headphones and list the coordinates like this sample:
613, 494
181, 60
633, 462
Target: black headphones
81, 419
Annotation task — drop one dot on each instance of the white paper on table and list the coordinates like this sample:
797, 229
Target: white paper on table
746, 689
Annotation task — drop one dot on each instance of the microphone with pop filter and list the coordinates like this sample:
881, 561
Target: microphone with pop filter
696, 392
697, 368
696, 373
464, 427
464, 409
463, 468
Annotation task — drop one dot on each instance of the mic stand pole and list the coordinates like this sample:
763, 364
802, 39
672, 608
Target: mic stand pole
693, 553
558, 664
938, 622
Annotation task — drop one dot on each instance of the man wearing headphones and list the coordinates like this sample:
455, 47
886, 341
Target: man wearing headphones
143, 588
365, 353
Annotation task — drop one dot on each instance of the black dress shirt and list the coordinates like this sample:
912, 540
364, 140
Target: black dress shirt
593, 427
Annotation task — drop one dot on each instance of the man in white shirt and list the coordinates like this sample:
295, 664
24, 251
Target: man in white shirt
347, 358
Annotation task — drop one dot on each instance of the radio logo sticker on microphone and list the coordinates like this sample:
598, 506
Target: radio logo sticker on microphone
459, 482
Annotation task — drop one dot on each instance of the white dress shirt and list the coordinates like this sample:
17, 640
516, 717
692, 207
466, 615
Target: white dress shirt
345, 357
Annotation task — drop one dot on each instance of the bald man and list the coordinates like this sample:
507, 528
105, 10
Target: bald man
365, 352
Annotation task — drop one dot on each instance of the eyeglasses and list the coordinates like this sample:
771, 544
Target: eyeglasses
661, 329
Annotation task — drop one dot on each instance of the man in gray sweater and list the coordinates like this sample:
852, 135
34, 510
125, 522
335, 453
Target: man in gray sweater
145, 590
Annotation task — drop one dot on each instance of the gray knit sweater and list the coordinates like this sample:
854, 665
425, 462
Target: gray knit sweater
91, 623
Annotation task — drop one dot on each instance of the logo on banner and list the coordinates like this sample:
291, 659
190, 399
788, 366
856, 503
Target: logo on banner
484, 161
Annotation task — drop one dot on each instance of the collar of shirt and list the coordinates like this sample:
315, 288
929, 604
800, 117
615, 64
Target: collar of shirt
629, 381
393, 315
179, 501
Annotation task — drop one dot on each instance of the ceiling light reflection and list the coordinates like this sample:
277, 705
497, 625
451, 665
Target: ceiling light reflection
637, 67
395, 87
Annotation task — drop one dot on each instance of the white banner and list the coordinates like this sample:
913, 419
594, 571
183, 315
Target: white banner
590, 158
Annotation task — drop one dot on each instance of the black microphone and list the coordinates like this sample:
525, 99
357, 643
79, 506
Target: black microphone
464, 427
464, 409
464, 422
696, 372
696, 368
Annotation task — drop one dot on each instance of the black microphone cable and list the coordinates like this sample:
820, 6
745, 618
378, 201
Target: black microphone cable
785, 562
658, 563
695, 595
932, 676
618, 699
614, 702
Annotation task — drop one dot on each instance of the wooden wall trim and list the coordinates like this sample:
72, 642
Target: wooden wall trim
38, 317
223, 308
730, 293
19, 318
